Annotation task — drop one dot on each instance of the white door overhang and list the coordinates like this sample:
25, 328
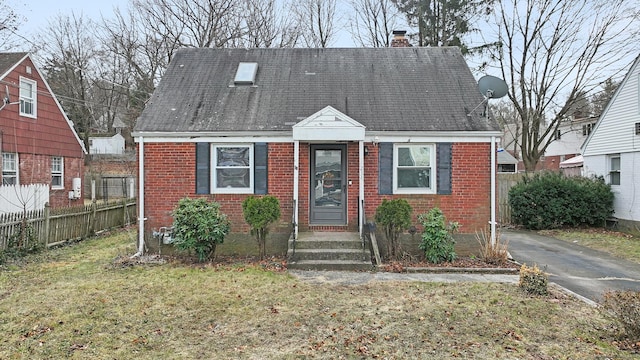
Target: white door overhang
328, 124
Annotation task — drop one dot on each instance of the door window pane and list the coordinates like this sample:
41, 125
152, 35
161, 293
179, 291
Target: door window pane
328, 178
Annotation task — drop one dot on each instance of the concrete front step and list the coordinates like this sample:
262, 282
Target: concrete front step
335, 265
328, 251
332, 254
355, 244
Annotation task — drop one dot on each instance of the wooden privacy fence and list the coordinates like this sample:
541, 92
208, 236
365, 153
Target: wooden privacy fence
55, 226
506, 182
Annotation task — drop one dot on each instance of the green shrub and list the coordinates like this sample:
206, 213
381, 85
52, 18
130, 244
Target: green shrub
533, 280
551, 200
259, 213
21, 243
437, 237
624, 307
198, 226
395, 217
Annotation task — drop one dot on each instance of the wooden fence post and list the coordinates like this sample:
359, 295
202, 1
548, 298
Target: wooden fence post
92, 218
47, 224
124, 211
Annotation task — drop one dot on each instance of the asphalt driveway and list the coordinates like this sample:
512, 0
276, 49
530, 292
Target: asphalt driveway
584, 271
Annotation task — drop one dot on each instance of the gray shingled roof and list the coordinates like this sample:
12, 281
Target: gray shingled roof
397, 89
7, 60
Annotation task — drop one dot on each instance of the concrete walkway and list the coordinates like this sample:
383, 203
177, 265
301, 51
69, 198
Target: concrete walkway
359, 278
584, 271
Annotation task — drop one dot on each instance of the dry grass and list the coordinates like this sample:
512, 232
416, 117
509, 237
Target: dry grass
494, 251
77, 302
618, 244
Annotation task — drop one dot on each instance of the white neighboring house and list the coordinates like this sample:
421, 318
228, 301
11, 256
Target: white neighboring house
564, 151
613, 148
106, 145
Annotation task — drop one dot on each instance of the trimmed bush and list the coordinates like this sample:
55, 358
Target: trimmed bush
395, 217
624, 307
533, 280
259, 213
551, 200
437, 237
199, 226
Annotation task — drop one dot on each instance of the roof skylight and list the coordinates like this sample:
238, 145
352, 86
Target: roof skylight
246, 73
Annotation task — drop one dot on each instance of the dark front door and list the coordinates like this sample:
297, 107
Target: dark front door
328, 188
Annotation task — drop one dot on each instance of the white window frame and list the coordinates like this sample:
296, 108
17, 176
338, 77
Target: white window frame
215, 167
32, 99
57, 171
7, 160
432, 166
612, 170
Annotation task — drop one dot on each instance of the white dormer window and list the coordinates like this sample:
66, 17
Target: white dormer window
28, 97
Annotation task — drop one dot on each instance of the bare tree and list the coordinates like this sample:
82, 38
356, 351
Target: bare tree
268, 23
10, 20
70, 53
552, 51
138, 57
318, 22
192, 23
373, 22
506, 115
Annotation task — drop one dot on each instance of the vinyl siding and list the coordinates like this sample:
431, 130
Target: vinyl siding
626, 203
615, 131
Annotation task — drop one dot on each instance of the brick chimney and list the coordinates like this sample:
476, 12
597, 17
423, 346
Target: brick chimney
399, 39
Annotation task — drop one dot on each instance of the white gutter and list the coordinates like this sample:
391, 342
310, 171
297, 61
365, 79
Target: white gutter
296, 166
141, 217
493, 190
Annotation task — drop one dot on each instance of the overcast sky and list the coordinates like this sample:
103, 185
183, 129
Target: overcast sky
37, 13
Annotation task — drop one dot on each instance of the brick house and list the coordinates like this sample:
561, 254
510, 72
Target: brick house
38, 142
330, 132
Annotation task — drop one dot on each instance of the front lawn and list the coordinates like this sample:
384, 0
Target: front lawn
619, 244
84, 302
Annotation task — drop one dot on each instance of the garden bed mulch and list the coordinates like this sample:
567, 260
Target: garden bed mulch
460, 264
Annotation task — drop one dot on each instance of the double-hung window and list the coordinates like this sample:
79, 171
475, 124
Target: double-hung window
57, 172
28, 97
414, 168
232, 168
614, 169
10, 169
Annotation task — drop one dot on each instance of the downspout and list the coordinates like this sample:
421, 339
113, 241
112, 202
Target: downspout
493, 190
141, 217
361, 186
296, 166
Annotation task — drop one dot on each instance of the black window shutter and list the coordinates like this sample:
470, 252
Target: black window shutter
385, 168
260, 171
443, 160
203, 171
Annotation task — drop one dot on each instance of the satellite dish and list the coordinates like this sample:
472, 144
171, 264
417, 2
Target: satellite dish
492, 87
